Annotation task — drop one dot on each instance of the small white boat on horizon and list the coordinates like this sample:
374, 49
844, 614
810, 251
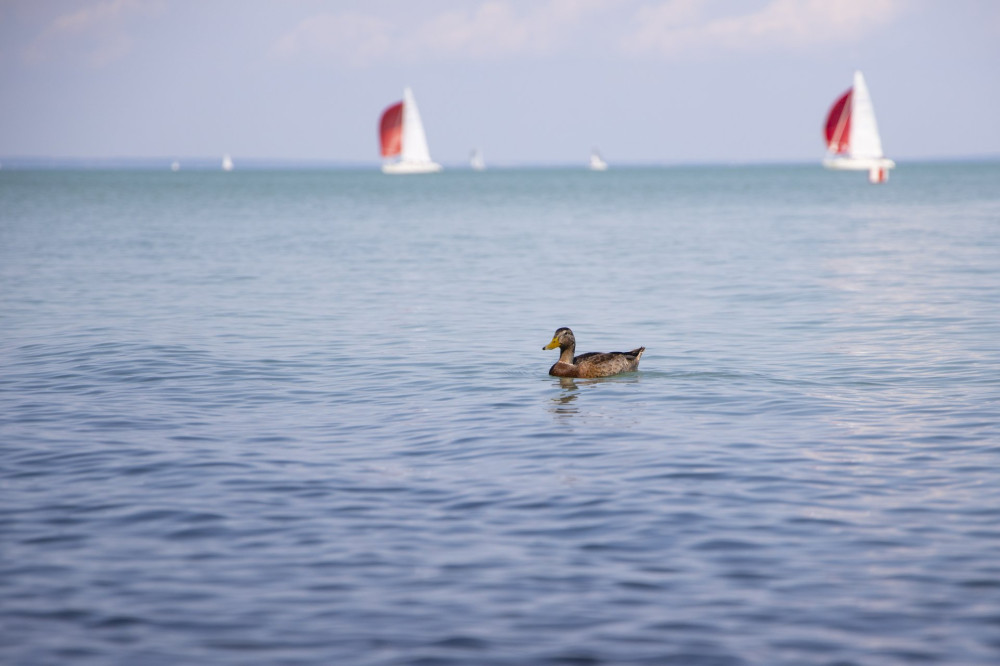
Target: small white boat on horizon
852, 139
175, 166
402, 138
597, 162
476, 161
227, 163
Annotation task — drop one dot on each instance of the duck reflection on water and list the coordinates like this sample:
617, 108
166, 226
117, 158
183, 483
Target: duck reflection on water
564, 403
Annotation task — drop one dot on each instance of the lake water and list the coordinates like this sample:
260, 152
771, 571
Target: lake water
304, 417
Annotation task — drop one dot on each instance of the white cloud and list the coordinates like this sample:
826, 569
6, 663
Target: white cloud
490, 29
93, 16
494, 29
355, 38
94, 33
678, 26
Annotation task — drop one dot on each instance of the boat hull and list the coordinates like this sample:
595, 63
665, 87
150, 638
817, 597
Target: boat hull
858, 163
399, 168
877, 167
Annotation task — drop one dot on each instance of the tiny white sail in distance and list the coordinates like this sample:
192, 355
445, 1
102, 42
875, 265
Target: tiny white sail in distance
597, 162
852, 138
227, 163
476, 161
402, 138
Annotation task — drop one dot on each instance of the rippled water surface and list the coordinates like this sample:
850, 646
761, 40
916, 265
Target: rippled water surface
304, 418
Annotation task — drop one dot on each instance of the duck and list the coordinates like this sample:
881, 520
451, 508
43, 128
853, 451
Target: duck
592, 364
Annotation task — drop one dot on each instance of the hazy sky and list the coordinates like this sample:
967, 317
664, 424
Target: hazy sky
528, 81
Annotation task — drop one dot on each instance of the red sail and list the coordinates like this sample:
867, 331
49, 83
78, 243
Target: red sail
838, 125
391, 130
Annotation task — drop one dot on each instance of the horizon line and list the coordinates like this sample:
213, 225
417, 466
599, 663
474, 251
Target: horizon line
22, 162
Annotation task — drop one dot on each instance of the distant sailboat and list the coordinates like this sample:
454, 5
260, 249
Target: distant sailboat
852, 138
476, 162
403, 140
175, 166
597, 162
227, 163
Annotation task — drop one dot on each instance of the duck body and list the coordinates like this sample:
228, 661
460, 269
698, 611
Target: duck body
591, 364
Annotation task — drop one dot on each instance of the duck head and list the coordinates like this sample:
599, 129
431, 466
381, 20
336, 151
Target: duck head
563, 338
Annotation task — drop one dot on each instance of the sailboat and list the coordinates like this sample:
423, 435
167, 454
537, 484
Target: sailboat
852, 139
597, 162
404, 143
476, 162
227, 163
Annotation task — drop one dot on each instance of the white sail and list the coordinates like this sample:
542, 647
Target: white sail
597, 162
476, 162
865, 141
414, 140
227, 163
414, 156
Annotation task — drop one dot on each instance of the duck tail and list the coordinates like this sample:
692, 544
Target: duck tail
637, 352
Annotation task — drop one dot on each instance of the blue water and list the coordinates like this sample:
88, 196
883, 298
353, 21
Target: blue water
304, 417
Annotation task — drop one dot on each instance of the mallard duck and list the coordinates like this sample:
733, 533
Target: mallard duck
593, 364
